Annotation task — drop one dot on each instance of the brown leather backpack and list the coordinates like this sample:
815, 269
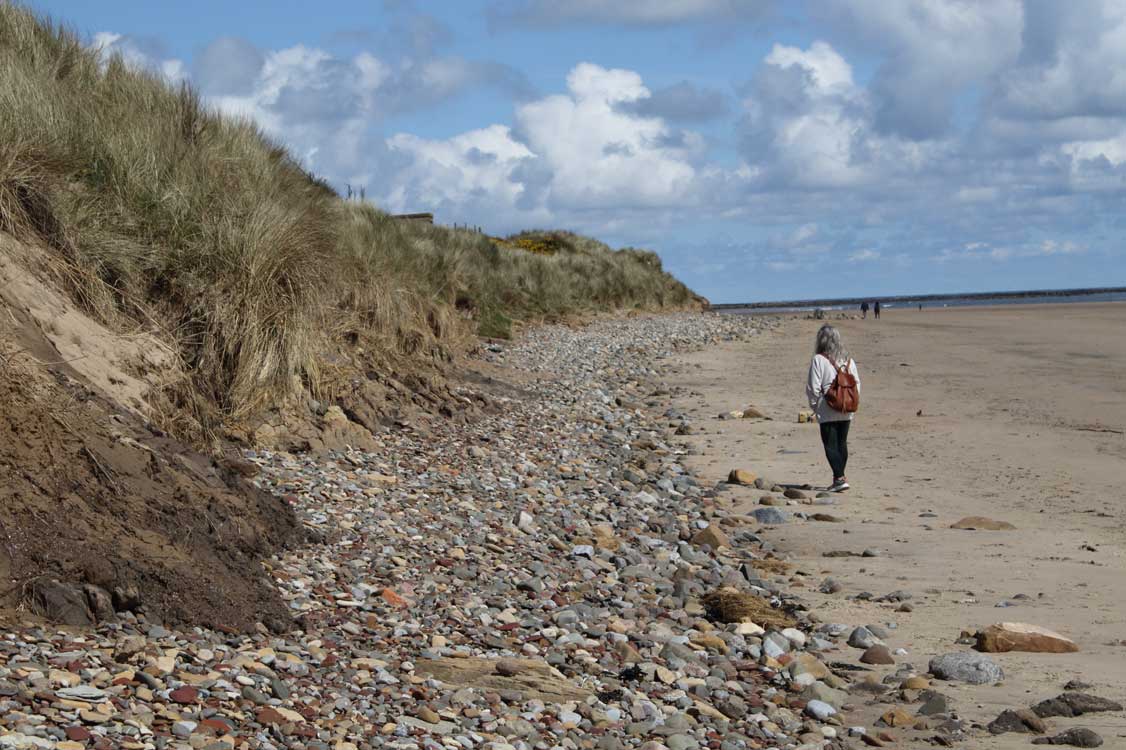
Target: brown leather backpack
843, 395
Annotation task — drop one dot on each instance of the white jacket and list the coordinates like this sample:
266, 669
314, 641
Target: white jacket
821, 376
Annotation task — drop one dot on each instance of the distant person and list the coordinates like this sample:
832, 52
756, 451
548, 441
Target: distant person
920, 307
831, 374
864, 309
876, 309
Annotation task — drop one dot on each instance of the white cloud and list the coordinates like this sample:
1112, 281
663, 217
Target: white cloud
473, 168
572, 152
932, 50
863, 255
1073, 64
977, 251
828, 72
804, 116
601, 156
809, 124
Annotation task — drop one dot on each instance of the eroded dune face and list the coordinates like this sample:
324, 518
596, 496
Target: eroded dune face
100, 511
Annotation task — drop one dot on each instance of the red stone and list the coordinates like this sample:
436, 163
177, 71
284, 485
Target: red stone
77, 734
393, 599
216, 725
184, 695
270, 716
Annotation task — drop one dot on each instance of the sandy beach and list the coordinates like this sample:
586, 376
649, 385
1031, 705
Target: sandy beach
1014, 413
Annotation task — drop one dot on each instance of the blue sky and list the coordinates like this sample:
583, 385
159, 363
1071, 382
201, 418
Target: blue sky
766, 149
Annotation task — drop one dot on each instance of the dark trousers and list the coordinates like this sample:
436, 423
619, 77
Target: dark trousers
834, 435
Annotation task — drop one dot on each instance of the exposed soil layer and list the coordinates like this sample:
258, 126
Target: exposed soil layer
116, 512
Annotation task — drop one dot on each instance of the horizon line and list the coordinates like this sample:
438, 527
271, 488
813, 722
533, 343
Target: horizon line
924, 297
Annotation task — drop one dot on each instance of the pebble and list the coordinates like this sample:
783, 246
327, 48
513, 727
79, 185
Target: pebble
819, 710
877, 654
862, 637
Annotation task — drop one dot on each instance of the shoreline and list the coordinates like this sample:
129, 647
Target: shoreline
1012, 403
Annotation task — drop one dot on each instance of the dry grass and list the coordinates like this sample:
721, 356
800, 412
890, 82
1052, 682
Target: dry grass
771, 566
731, 605
165, 216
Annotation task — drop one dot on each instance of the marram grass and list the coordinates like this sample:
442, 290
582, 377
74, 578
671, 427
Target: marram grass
162, 214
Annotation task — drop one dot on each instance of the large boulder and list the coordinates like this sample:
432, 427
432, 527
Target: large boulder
1019, 636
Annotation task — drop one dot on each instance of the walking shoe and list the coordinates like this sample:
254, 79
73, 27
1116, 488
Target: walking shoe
839, 485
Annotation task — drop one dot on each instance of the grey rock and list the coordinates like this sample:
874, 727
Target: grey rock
862, 637
1021, 721
769, 516
775, 644
830, 586
1075, 737
1074, 704
84, 693
934, 703
966, 666
61, 602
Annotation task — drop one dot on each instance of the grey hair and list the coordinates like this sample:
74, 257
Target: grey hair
829, 343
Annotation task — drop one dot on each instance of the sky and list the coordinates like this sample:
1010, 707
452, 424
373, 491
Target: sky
766, 149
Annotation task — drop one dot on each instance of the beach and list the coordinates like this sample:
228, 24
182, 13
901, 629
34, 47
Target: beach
571, 568
1016, 414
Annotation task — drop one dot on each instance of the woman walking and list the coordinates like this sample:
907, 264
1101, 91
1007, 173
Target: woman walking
830, 361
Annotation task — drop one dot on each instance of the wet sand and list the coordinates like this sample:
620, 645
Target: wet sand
1022, 417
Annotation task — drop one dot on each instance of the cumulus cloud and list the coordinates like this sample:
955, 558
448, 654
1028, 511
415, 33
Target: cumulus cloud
931, 50
809, 124
474, 171
1073, 63
570, 152
648, 13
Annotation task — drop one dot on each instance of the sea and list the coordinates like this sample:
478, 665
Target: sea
1022, 298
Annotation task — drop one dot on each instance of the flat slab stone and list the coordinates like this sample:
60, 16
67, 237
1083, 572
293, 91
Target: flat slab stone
981, 523
535, 679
